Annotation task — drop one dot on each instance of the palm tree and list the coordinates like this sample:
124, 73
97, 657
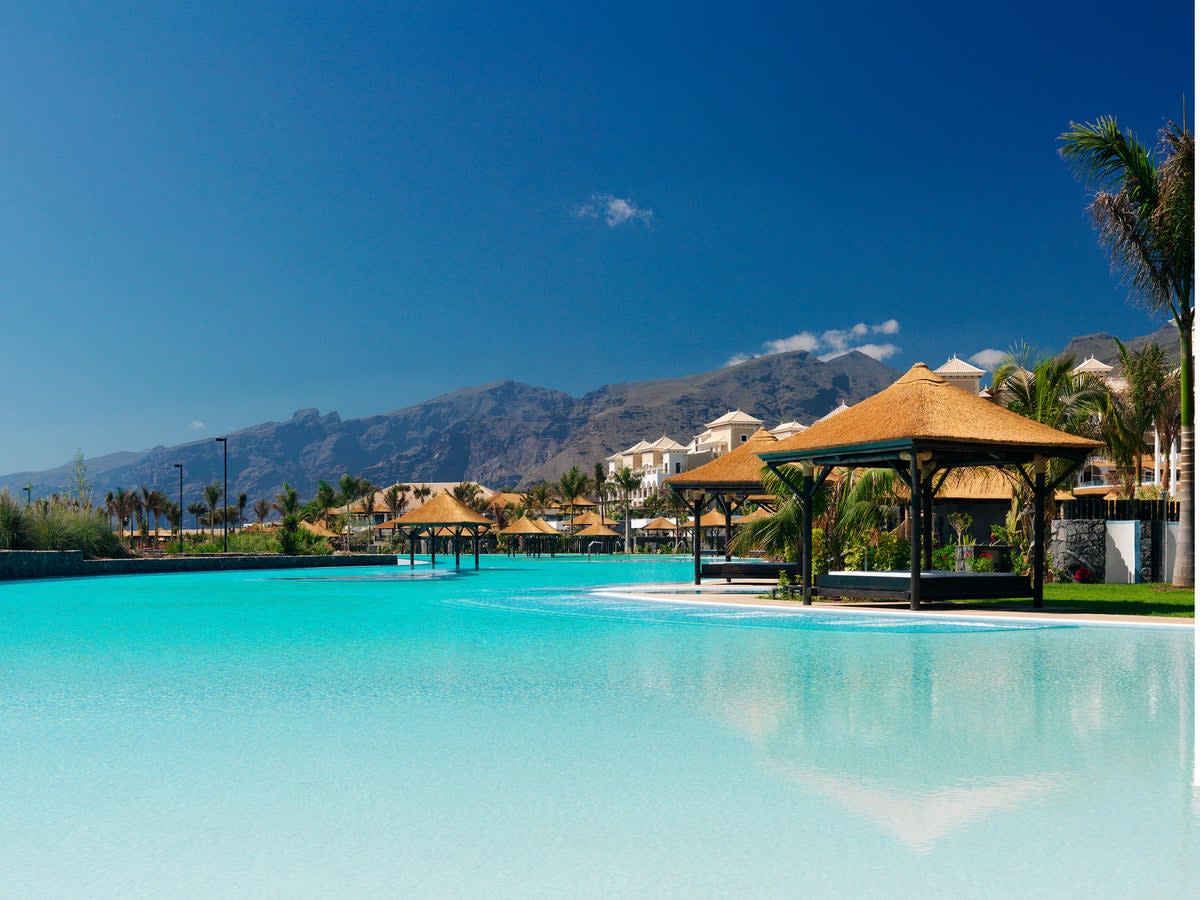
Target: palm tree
570, 485
422, 492
627, 481
538, 498
1050, 393
241, 508
122, 504
349, 490
1152, 389
367, 492
395, 499
1143, 209
261, 509
287, 501
197, 509
212, 494
600, 483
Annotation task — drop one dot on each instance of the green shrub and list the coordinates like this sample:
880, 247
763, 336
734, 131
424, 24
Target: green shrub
981, 564
55, 526
943, 558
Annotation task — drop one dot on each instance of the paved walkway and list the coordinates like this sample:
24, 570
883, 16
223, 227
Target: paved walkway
755, 593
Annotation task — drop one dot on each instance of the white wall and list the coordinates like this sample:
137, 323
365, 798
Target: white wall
1120, 552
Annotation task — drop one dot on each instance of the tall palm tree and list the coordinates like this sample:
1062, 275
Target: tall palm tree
1143, 209
627, 481
1051, 393
395, 499
600, 484
422, 492
1153, 392
197, 509
351, 489
570, 485
241, 508
261, 509
212, 494
367, 492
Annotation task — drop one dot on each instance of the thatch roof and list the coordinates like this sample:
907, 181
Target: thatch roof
546, 527
924, 407
759, 513
579, 501
502, 499
659, 524
596, 531
978, 483
591, 518
711, 519
317, 528
523, 526
444, 509
738, 470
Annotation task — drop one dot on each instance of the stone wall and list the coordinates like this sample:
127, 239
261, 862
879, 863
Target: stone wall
18, 564
1075, 543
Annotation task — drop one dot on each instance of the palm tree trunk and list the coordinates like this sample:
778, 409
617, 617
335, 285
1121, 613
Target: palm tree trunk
1185, 552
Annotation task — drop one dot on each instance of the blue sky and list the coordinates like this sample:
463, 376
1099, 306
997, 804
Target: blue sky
211, 217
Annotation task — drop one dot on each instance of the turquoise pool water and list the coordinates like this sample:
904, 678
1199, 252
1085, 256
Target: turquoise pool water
508, 733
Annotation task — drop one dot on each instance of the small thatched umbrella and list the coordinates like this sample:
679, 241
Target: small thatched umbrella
525, 527
591, 518
448, 512
598, 531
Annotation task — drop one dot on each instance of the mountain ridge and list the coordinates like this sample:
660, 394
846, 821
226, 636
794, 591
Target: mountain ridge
504, 432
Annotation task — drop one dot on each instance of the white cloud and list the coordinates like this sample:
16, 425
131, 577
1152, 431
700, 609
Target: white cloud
831, 343
802, 341
989, 358
613, 210
196, 425
875, 351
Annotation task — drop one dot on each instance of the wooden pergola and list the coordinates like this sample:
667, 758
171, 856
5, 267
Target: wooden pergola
445, 511
729, 481
923, 427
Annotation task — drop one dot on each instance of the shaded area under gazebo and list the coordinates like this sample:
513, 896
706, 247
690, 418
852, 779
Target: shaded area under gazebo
534, 535
598, 534
445, 511
923, 427
729, 481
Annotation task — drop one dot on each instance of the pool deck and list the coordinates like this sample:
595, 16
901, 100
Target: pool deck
747, 593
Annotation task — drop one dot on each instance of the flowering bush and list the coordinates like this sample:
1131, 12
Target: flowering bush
1083, 574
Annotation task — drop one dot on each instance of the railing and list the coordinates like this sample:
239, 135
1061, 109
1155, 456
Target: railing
1109, 510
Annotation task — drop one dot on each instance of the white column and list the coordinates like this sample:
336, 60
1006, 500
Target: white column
1157, 458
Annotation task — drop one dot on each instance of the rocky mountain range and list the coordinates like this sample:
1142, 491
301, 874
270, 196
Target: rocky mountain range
505, 434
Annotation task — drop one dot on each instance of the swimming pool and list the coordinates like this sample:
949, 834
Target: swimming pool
508, 732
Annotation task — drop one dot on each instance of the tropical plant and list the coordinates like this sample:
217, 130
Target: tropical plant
1143, 210
395, 498
538, 498
198, 510
1047, 390
212, 495
261, 509
627, 481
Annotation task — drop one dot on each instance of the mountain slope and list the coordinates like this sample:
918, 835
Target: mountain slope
505, 433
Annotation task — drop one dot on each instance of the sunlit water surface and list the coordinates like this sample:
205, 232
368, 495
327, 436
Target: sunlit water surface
508, 732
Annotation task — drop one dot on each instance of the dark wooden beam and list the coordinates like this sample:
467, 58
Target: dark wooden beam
914, 533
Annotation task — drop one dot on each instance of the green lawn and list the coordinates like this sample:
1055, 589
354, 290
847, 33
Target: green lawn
1113, 599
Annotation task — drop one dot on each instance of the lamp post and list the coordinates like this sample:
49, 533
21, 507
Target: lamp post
224, 442
179, 466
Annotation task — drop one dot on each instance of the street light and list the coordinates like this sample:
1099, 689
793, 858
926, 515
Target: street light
224, 442
179, 466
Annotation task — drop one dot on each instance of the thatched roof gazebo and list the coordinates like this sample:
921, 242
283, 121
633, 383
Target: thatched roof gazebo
922, 426
729, 480
528, 528
591, 518
445, 511
597, 531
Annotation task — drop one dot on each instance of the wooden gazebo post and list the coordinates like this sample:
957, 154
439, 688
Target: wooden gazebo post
697, 505
914, 532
